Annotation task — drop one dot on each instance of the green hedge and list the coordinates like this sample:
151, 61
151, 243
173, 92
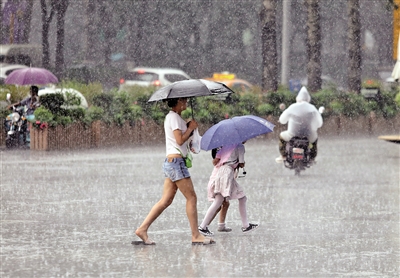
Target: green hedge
132, 105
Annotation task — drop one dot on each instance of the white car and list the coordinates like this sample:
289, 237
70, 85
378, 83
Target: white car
6, 69
158, 77
65, 91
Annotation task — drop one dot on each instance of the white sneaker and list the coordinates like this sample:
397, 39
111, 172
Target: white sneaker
279, 159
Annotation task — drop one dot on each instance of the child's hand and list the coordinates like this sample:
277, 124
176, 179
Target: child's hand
241, 165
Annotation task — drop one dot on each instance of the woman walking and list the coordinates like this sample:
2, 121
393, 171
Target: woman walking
177, 133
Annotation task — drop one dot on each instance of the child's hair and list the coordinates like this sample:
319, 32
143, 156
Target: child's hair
214, 152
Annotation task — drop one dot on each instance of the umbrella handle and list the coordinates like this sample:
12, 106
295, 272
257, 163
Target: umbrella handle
191, 106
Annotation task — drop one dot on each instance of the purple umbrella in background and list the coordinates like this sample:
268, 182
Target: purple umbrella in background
234, 131
31, 76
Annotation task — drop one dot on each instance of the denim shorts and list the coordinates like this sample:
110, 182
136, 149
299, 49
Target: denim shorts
175, 170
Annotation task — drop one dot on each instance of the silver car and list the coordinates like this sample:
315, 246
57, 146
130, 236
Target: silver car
158, 77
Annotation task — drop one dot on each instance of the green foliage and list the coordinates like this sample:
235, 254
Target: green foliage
52, 102
132, 104
89, 91
387, 106
4, 112
94, 113
44, 115
274, 99
116, 107
265, 109
17, 93
71, 99
397, 99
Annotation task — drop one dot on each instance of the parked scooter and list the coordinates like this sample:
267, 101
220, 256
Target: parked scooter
16, 127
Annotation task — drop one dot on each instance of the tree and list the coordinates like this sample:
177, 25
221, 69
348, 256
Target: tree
313, 45
27, 21
1, 22
61, 8
268, 49
354, 40
90, 47
46, 20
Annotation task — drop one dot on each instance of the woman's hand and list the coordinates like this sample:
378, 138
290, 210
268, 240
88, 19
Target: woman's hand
192, 125
183, 137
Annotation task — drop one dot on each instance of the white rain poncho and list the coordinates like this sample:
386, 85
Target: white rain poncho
302, 117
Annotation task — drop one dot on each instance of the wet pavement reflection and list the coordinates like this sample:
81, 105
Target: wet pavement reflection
73, 214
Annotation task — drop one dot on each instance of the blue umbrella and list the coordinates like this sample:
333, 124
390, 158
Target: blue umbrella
234, 131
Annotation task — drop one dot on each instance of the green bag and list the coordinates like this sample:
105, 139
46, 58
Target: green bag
188, 158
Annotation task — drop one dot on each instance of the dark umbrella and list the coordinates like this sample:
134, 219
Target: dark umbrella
31, 76
190, 88
234, 131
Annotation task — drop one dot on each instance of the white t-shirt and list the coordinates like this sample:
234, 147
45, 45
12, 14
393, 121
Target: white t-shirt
172, 122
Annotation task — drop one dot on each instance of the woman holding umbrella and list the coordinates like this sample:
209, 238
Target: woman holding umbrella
177, 176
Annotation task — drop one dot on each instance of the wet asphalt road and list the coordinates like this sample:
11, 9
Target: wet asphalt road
73, 214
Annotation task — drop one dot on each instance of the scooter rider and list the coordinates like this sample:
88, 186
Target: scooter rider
31, 102
303, 119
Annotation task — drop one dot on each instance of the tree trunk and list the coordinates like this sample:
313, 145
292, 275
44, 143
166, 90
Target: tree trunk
106, 29
1, 22
46, 20
269, 49
62, 6
313, 46
27, 21
91, 30
136, 48
354, 39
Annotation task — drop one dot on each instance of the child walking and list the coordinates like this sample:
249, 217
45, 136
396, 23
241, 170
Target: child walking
223, 186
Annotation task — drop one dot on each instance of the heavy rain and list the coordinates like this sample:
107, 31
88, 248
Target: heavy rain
80, 181
73, 214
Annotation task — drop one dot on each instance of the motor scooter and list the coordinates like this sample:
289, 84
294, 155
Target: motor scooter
298, 152
16, 127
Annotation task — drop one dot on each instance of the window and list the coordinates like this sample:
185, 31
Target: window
173, 77
146, 76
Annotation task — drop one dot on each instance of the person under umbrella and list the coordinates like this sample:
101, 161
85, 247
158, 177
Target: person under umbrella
31, 102
177, 176
223, 186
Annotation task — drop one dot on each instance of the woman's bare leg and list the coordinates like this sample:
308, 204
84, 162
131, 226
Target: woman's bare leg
167, 197
186, 187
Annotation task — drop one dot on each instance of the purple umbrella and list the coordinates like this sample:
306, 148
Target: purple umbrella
31, 76
234, 131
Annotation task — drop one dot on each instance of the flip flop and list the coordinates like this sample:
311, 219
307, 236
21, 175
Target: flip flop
141, 242
206, 241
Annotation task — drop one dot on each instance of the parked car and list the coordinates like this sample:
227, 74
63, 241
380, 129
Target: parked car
6, 69
230, 80
23, 54
158, 77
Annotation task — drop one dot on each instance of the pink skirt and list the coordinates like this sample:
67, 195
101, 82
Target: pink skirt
222, 181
